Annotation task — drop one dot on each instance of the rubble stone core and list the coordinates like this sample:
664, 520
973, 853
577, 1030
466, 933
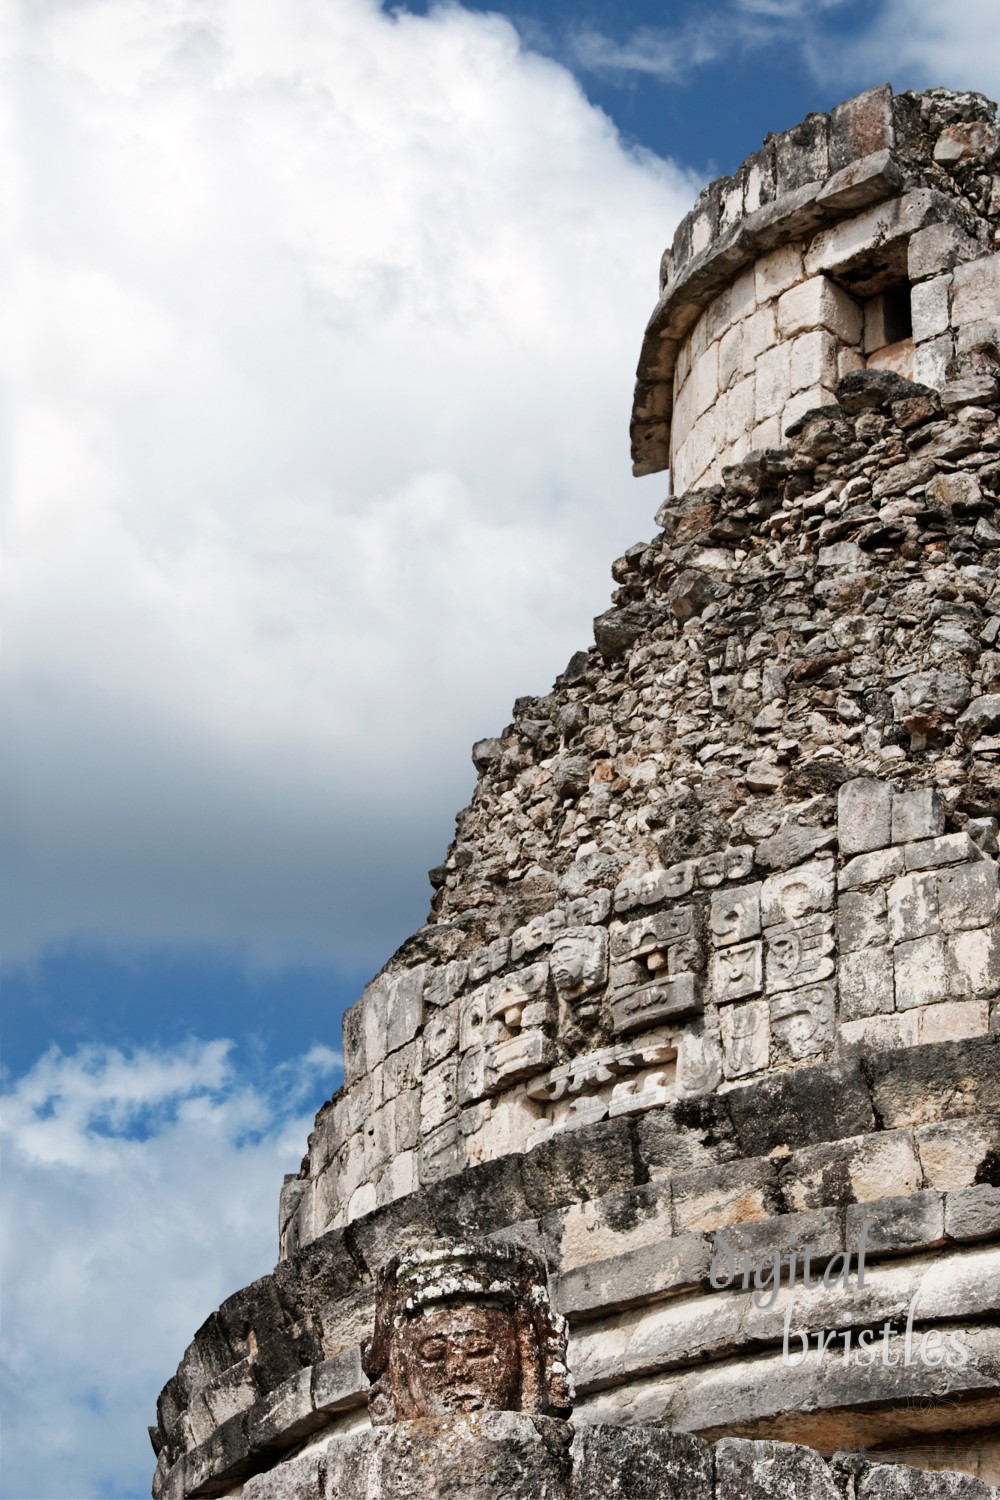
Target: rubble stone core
706, 1012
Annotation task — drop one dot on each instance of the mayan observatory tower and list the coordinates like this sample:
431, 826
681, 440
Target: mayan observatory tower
667, 1161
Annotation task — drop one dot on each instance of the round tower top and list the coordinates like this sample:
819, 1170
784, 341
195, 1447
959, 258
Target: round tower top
805, 264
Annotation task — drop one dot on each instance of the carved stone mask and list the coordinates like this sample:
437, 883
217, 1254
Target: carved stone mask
579, 962
465, 1326
459, 1358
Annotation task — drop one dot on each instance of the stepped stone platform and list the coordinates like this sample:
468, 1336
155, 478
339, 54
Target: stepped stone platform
706, 1011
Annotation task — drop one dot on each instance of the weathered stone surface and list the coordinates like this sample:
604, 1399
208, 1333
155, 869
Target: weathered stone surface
642, 1275
577, 1164
922, 1084
973, 1213
478, 1457
770, 1471
509, 1456
885, 1482
864, 815
621, 1463
814, 1104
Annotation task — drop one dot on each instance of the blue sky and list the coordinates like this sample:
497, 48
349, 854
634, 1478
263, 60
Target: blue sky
324, 331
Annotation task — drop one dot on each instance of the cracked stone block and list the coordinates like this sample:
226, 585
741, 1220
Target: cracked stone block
968, 895
867, 181
972, 1213
819, 303
954, 1152
861, 920
951, 1020
913, 908
712, 1197
949, 849
770, 1471
884, 1165
879, 1033
976, 293
867, 983
935, 250
921, 972
296, 1479
930, 302
868, 869
915, 1222
974, 961
864, 815
890, 1482
406, 1007
612, 1462
353, 1044
917, 814
861, 126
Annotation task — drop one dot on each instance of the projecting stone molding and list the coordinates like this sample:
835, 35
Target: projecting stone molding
505, 1453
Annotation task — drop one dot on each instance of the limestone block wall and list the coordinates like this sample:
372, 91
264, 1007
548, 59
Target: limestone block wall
504, 1453
844, 243
887, 935
630, 1214
763, 352
757, 833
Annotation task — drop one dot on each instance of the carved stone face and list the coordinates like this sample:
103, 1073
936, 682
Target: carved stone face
463, 1326
579, 962
456, 1359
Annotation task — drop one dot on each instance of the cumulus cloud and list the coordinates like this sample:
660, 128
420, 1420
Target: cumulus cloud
140, 1190
927, 45
321, 363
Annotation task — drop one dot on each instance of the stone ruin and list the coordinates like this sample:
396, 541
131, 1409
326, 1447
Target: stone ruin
705, 1015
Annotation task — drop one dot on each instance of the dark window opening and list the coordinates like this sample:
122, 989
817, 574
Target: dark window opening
887, 318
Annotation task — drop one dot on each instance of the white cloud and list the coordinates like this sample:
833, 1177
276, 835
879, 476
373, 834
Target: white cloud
324, 338
140, 1190
671, 54
923, 44
915, 43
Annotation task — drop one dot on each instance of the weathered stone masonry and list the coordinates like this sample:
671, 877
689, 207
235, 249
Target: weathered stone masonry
716, 947
850, 240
